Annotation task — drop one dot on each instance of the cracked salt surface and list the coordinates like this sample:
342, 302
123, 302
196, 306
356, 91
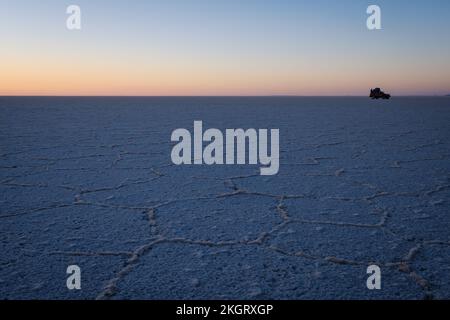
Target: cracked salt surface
89, 181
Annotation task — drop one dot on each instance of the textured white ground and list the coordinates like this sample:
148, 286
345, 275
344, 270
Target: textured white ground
89, 181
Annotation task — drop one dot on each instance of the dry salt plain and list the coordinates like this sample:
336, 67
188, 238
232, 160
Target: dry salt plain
89, 181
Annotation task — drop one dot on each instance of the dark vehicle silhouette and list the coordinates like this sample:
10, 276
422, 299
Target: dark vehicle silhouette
378, 94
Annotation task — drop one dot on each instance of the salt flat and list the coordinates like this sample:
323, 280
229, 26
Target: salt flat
89, 181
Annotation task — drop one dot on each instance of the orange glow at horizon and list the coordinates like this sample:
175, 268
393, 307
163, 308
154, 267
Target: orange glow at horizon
96, 75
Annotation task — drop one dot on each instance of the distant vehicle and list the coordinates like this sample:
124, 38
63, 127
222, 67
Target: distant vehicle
378, 94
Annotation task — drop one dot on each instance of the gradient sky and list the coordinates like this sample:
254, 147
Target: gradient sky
218, 47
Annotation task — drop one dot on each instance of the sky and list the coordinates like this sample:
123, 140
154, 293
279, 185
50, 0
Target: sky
218, 47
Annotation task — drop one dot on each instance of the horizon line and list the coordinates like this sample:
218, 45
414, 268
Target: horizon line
214, 96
